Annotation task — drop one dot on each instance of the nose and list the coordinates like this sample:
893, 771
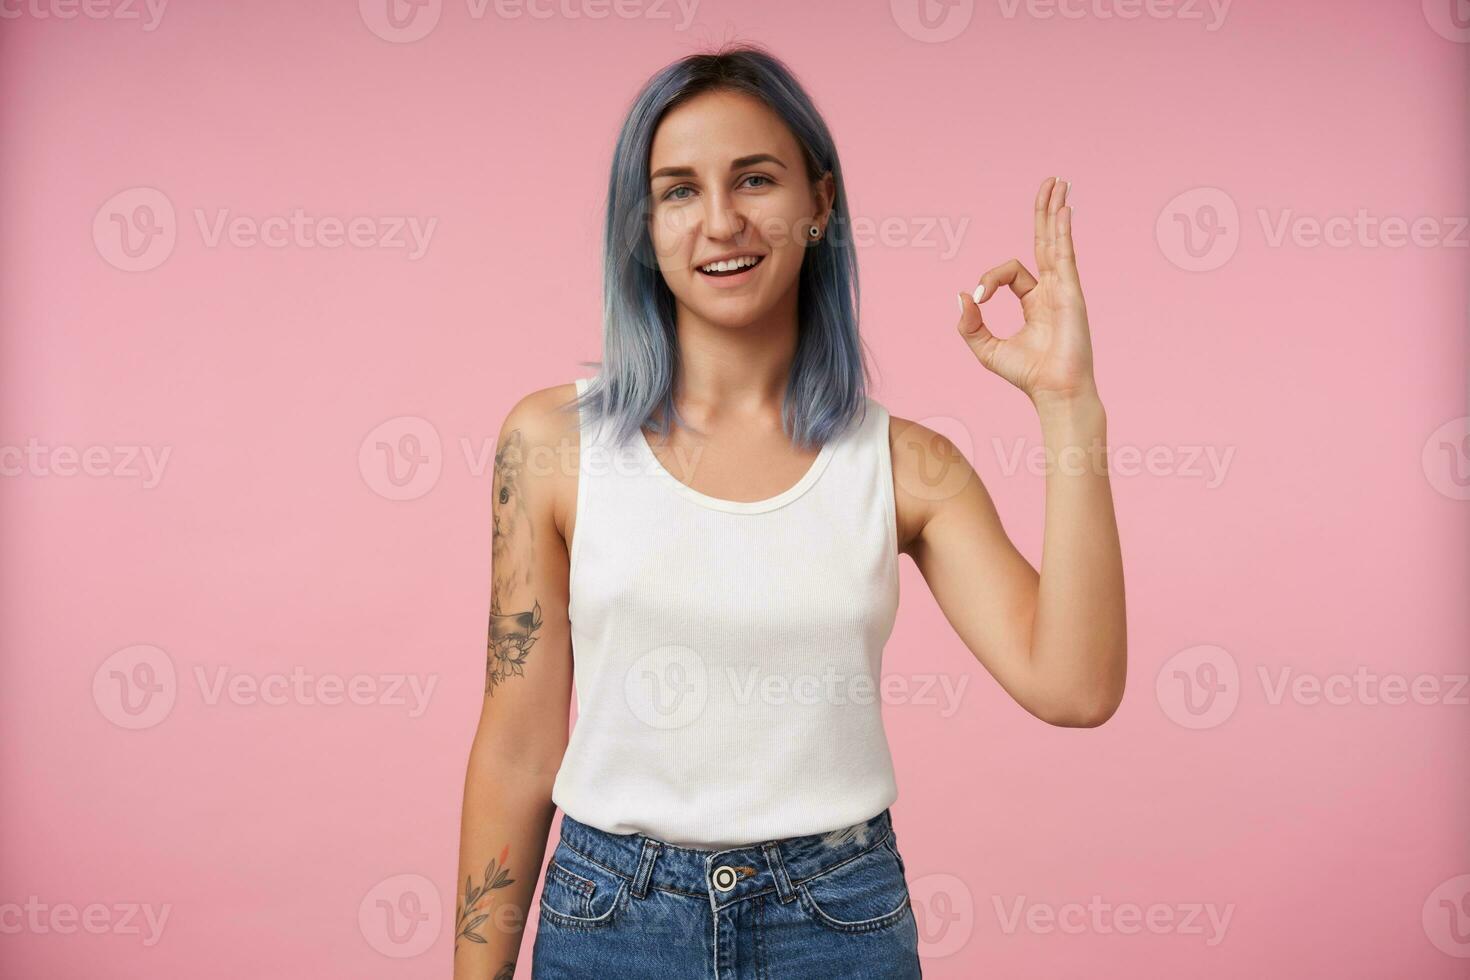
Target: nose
721, 218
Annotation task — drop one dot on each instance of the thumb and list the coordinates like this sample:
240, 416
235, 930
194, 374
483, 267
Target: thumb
972, 328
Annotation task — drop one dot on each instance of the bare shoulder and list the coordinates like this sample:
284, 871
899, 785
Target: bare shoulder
928, 471
539, 442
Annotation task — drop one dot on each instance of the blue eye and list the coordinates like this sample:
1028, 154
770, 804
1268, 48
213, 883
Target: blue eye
669, 196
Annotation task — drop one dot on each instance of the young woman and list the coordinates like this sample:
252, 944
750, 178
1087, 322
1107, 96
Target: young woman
728, 587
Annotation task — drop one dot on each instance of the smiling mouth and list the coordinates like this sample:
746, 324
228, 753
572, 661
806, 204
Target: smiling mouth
733, 272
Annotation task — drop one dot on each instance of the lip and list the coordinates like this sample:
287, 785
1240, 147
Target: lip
730, 282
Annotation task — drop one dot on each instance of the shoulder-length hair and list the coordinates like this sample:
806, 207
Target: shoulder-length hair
827, 388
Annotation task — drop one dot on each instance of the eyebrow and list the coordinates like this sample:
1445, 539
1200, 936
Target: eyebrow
735, 164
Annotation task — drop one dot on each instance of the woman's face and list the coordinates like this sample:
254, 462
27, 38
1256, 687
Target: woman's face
728, 178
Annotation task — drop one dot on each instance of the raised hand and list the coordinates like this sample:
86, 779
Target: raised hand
1050, 357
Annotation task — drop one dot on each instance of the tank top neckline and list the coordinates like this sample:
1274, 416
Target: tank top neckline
801, 486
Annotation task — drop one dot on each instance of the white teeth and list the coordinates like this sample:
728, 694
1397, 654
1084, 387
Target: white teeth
731, 265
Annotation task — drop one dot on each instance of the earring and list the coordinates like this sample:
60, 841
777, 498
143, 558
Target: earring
814, 232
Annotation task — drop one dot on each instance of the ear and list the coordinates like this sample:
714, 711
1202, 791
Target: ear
825, 189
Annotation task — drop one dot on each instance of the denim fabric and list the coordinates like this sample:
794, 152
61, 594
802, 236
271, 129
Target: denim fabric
832, 905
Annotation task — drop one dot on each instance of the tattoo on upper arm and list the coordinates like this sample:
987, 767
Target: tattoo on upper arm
507, 972
476, 900
512, 548
511, 638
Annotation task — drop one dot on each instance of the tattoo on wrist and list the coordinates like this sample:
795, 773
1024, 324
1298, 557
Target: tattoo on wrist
475, 902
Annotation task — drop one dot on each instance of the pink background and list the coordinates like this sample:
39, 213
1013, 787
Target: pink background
1332, 834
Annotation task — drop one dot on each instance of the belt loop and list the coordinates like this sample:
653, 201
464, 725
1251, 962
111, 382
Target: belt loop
778, 871
645, 867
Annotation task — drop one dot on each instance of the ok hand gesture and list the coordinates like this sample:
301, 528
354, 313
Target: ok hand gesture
1050, 357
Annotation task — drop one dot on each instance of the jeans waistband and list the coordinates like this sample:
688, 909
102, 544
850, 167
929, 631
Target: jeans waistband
730, 874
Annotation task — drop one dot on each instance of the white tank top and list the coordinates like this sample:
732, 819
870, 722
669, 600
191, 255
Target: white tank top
727, 655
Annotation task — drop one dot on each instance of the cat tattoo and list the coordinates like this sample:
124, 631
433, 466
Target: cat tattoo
511, 634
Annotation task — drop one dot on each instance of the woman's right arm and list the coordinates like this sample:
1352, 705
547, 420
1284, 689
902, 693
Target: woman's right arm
522, 732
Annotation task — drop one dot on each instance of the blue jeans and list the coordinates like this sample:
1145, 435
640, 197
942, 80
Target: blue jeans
832, 905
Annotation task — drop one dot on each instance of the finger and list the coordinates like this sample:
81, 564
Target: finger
1066, 253
975, 333
1012, 274
1046, 238
1043, 222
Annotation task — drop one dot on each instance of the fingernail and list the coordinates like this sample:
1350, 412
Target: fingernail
961, 298
979, 291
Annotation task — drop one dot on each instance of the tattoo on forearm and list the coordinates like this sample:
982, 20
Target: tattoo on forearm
507, 972
474, 903
511, 634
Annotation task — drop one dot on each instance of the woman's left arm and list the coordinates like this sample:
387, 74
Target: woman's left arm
1057, 641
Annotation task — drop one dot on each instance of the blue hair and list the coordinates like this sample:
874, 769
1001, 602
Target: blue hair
827, 387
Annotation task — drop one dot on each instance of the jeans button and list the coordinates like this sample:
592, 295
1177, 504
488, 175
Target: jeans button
724, 878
